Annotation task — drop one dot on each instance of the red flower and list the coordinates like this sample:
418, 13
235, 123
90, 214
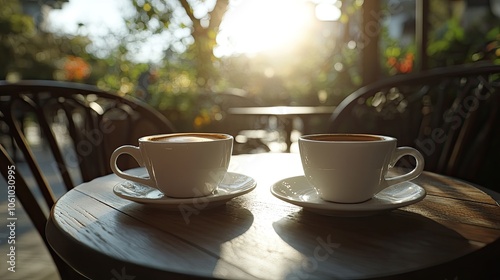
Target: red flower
76, 69
404, 65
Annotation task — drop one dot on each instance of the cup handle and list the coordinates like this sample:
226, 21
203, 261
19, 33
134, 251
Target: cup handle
399, 153
135, 152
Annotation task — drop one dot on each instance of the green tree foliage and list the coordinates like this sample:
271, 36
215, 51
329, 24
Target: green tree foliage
463, 33
26, 52
16, 30
201, 20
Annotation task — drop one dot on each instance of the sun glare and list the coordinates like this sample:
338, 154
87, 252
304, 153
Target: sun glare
328, 11
256, 26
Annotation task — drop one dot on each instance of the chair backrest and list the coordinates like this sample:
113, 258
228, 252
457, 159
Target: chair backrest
76, 126
450, 114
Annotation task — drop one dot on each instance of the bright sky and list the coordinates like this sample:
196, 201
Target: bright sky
97, 15
249, 26
99, 19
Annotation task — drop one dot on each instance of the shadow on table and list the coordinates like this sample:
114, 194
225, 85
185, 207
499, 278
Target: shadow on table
357, 247
204, 231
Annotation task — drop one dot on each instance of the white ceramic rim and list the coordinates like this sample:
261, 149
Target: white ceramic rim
382, 138
147, 139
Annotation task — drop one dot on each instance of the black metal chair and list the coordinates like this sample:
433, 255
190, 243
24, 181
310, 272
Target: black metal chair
450, 114
80, 126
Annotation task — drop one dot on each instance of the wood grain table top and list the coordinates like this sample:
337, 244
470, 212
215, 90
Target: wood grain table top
453, 233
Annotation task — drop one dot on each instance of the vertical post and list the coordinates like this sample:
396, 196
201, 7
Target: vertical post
371, 29
422, 34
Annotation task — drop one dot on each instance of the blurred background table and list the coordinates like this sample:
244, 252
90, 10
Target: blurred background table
452, 234
285, 114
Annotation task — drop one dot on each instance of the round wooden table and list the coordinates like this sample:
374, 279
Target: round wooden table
453, 233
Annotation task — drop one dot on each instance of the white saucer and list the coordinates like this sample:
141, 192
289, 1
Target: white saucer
297, 191
232, 185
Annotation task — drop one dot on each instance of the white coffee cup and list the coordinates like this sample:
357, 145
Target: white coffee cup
180, 165
352, 168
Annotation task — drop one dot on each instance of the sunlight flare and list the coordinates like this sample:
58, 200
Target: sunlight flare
252, 27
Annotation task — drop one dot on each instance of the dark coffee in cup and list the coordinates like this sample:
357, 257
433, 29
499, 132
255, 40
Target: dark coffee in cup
344, 138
